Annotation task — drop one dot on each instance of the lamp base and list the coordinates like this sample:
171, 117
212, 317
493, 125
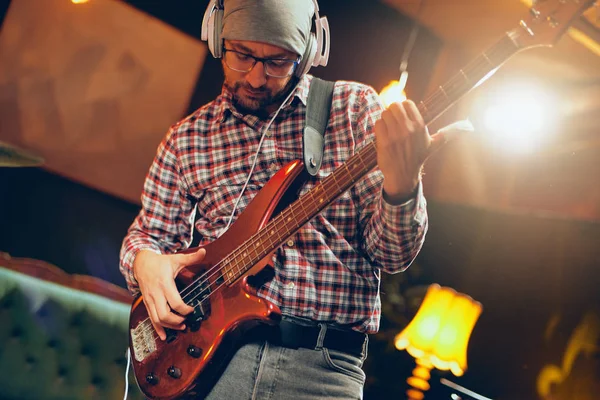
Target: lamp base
419, 380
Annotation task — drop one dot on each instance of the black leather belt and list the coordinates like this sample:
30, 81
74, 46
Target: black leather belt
293, 335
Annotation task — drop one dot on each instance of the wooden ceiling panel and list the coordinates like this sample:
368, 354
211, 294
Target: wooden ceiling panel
93, 88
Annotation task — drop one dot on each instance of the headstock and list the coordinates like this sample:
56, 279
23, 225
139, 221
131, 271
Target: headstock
548, 20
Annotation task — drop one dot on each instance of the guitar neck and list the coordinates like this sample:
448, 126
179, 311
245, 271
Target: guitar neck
298, 213
309, 205
469, 77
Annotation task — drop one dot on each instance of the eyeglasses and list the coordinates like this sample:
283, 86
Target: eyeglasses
275, 67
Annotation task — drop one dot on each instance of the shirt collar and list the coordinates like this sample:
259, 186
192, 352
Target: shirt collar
225, 107
302, 88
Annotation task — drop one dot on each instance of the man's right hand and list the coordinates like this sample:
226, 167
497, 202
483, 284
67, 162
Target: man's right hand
155, 273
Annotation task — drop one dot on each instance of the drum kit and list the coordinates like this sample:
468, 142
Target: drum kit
13, 156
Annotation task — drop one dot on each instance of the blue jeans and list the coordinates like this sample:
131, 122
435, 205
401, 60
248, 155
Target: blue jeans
262, 370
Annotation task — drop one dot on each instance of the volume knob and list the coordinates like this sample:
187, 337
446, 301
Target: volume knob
151, 378
194, 351
174, 372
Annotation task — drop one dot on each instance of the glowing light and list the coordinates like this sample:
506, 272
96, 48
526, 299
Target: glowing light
585, 40
79, 1
581, 344
440, 332
520, 117
392, 93
486, 77
418, 383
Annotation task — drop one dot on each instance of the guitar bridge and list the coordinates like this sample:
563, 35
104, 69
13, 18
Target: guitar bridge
143, 340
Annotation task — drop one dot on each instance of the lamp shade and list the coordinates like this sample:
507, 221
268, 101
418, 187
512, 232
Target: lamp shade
439, 333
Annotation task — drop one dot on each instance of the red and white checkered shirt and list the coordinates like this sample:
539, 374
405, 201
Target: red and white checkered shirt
330, 269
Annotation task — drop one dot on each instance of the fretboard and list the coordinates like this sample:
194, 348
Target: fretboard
467, 78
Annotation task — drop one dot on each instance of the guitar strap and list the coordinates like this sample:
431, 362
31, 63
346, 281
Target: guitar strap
320, 94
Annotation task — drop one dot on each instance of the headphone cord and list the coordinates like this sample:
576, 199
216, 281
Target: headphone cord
262, 137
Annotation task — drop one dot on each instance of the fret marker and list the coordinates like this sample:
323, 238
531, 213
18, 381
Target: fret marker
487, 58
443, 91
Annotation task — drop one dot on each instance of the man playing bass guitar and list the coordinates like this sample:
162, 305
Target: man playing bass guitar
211, 164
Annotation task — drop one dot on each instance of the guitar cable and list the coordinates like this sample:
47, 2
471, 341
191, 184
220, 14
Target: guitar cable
256, 154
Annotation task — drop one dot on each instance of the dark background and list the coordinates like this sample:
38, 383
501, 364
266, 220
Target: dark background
525, 269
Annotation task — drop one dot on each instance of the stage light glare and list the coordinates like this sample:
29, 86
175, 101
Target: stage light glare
520, 118
393, 92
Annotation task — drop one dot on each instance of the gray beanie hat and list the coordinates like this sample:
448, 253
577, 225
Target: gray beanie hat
282, 23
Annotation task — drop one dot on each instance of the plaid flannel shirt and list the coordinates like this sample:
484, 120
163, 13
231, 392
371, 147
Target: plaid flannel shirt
330, 269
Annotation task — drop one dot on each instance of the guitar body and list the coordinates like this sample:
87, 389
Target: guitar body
189, 361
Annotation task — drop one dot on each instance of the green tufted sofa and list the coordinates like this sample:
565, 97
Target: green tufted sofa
61, 336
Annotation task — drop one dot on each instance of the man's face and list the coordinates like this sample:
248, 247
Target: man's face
255, 92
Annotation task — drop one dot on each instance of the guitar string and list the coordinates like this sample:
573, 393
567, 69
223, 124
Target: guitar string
450, 83
329, 181
431, 100
483, 62
205, 277
255, 239
149, 327
476, 64
216, 269
480, 67
453, 81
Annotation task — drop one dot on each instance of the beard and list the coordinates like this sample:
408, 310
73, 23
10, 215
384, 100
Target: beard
258, 101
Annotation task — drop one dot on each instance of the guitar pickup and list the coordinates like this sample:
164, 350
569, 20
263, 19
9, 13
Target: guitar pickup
201, 304
201, 311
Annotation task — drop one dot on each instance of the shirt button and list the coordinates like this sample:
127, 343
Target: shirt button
290, 285
273, 167
290, 243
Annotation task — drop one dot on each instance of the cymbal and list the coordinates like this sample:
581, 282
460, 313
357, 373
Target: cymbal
12, 156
